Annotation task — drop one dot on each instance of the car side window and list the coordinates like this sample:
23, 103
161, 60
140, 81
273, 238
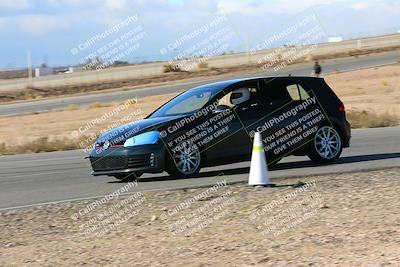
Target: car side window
297, 92
303, 93
190, 104
293, 91
274, 92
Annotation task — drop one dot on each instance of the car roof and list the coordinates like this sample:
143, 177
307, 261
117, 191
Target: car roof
226, 83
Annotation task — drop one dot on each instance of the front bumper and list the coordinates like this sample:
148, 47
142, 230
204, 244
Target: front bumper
123, 160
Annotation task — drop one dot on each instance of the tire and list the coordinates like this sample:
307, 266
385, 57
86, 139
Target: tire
184, 160
326, 146
132, 176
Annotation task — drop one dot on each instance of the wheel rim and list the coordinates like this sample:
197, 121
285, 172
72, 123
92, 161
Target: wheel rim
187, 158
327, 142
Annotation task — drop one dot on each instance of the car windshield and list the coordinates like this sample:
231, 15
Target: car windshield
188, 102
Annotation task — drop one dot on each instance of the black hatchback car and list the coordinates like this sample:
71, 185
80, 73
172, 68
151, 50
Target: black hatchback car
214, 124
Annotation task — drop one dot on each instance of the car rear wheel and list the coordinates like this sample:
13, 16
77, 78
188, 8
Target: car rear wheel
128, 176
326, 146
184, 160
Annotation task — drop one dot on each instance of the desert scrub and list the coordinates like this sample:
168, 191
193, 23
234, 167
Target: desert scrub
202, 65
99, 105
45, 144
367, 119
171, 68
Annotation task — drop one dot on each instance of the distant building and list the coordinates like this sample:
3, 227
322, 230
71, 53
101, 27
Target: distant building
75, 69
69, 70
335, 39
43, 71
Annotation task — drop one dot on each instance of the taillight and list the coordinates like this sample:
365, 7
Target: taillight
341, 107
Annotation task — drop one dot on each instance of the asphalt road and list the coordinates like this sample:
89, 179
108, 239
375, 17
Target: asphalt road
119, 96
58, 176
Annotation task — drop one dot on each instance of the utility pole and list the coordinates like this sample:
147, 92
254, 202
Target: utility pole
29, 68
358, 44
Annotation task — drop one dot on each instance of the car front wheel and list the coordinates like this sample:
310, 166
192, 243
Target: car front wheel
184, 160
326, 146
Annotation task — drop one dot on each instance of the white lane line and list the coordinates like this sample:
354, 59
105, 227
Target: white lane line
75, 199
38, 160
32, 174
58, 167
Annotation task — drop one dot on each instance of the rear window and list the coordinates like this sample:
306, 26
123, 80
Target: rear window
297, 92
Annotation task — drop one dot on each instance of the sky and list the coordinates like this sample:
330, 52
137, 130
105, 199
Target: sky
52, 29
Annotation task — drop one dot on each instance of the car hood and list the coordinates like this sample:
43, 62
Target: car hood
120, 134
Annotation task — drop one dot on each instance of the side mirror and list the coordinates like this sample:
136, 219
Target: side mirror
220, 108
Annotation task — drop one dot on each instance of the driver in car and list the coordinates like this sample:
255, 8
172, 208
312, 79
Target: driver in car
239, 97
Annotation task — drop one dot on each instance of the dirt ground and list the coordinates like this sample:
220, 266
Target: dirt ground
66, 123
348, 219
375, 90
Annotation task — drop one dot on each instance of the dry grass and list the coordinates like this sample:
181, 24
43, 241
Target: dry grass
366, 119
171, 68
14, 74
72, 107
356, 52
202, 65
44, 144
58, 130
99, 105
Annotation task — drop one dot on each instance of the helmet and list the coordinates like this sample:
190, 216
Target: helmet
240, 96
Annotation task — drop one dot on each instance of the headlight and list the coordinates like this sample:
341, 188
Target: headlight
148, 138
